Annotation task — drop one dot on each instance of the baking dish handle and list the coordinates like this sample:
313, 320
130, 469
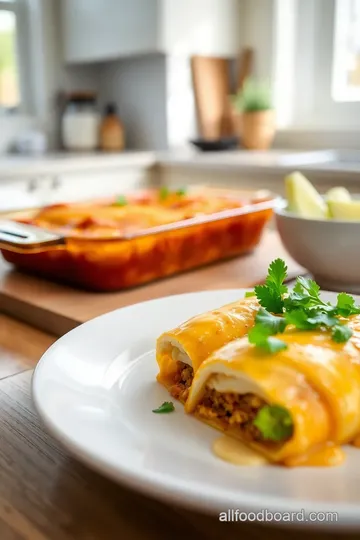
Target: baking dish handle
22, 237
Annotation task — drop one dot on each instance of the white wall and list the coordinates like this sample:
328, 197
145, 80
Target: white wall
138, 87
258, 33
200, 27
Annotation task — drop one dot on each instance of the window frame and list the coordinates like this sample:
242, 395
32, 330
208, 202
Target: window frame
23, 53
340, 91
309, 104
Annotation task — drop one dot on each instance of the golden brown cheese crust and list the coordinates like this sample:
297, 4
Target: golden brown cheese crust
140, 212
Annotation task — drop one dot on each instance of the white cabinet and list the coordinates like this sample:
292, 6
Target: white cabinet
95, 30
201, 27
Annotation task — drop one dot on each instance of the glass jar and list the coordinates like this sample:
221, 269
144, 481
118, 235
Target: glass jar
80, 122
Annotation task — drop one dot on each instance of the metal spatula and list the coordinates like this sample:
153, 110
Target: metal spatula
27, 237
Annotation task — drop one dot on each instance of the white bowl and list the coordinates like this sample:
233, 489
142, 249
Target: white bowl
329, 249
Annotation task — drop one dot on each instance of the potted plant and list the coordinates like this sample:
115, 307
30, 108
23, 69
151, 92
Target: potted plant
254, 117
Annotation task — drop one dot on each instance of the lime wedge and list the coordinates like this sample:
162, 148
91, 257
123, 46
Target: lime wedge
345, 210
340, 194
303, 199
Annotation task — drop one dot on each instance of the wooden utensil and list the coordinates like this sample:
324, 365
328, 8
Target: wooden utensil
211, 84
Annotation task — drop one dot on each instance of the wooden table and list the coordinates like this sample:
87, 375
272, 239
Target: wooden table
58, 309
46, 494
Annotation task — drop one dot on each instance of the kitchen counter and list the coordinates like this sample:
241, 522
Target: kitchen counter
244, 159
28, 182
323, 162
14, 166
269, 162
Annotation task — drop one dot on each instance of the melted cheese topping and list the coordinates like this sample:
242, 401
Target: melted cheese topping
237, 453
106, 218
193, 341
327, 455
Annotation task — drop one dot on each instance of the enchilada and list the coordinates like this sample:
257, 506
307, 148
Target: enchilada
180, 352
286, 406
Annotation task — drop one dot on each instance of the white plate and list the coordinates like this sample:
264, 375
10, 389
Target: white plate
95, 389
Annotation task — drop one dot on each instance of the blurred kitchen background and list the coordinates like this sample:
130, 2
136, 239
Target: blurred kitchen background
102, 96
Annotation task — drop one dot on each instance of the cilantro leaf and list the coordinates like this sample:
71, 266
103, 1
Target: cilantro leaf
322, 319
341, 333
166, 407
275, 325
120, 201
298, 318
277, 273
261, 338
269, 298
181, 192
258, 334
274, 423
301, 307
248, 294
310, 286
273, 345
266, 325
309, 319
270, 295
164, 193
346, 305
305, 294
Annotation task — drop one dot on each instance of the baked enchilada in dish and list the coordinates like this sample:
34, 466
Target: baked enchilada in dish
136, 238
288, 388
181, 351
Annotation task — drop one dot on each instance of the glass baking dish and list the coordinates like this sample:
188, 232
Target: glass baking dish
121, 258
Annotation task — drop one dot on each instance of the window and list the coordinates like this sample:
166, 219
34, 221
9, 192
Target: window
346, 63
9, 82
316, 64
15, 75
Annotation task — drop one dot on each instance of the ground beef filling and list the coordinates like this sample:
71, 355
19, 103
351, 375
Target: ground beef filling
182, 381
232, 410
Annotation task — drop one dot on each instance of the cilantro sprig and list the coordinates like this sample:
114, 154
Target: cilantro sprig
270, 295
165, 192
341, 333
120, 201
346, 305
301, 307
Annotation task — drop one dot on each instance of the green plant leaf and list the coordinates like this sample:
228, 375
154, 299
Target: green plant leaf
255, 96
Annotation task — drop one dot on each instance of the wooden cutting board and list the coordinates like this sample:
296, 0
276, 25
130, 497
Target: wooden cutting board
211, 82
57, 309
